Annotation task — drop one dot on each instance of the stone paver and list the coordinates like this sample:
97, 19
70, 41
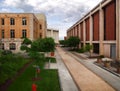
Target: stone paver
108, 77
67, 83
84, 78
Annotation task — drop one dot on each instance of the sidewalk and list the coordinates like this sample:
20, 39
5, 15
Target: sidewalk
66, 81
85, 79
108, 77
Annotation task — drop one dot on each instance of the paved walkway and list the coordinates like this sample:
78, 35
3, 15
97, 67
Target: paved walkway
66, 81
108, 77
85, 79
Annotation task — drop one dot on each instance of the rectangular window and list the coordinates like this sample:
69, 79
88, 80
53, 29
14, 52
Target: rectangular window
24, 21
24, 33
2, 46
12, 21
2, 33
12, 33
2, 21
40, 26
12, 46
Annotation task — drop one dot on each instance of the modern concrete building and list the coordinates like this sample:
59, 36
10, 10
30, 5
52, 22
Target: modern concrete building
101, 28
15, 26
54, 34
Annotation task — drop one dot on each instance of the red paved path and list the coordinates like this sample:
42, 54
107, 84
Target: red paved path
84, 78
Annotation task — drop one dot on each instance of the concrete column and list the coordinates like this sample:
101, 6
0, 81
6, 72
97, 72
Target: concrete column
51, 33
84, 33
101, 31
73, 32
118, 29
91, 29
79, 35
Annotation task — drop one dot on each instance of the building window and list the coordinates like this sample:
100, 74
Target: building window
40, 35
24, 21
2, 33
40, 26
24, 33
2, 21
12, 21
2, 46
12, 33
12, 46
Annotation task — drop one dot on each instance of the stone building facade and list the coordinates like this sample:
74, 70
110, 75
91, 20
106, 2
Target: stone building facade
54, 34
101, 28
15, 26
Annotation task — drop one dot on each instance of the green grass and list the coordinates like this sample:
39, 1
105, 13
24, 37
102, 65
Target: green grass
9, 66
48, 81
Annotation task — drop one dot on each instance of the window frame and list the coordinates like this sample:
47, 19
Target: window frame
2, 21
24, 33
2, 33
12, 21
12, 33
12, 46
24, 21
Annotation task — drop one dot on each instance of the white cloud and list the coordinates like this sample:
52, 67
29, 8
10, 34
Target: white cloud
61, 14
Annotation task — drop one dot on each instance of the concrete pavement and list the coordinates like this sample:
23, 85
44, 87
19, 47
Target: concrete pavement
108, 77
85, 79
66, 81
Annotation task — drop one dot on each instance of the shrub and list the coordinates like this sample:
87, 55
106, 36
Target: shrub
82, 50
6, 52
9, 65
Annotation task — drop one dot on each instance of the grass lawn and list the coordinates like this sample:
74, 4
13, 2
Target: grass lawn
48, 80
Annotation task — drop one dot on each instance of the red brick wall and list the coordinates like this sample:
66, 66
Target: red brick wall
81, 28
109, 12
96, 26
87, 22
77, 30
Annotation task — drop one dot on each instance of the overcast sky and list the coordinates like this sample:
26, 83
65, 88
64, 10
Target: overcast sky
60, 14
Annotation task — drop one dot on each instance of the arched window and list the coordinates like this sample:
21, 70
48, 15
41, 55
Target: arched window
12, 46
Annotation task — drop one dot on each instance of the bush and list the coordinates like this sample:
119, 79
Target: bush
9, 65
6, 52
82, 50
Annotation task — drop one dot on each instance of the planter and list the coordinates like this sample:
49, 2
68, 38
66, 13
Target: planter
118, 70
52, 53
107, 64
99, 60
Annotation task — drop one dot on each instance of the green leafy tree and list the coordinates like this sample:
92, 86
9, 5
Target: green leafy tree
89, 48
63, 42
73, 42
25, 44
26, 41
47, 44
43, 45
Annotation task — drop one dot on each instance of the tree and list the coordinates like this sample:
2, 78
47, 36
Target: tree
43, 45
47, 44
73, 41
89, 48
63, 42
25, 44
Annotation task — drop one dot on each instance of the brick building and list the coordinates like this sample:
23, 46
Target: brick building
101, 28
15, 26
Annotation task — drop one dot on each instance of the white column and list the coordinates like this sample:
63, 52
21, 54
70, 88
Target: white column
118, 29
84, 33
101, 31
91, 29
79, 34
